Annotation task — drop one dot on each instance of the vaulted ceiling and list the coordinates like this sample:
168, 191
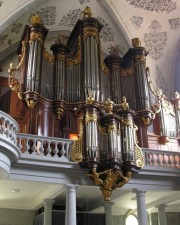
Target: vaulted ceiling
155, 22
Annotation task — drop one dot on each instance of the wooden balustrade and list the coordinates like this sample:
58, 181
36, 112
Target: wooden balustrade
47, 146
8, 128
161, 158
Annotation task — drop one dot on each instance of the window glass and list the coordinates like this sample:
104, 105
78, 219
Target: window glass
131, 220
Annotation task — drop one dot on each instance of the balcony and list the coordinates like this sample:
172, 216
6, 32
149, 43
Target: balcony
35, 154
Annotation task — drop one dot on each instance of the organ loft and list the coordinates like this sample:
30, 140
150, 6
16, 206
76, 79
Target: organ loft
107, 105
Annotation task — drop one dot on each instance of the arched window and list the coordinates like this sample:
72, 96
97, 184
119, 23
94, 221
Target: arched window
131, 220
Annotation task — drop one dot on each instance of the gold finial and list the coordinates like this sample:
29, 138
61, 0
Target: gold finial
35, 19
90, 98
124, 104
109, 105
87, 12
136, 42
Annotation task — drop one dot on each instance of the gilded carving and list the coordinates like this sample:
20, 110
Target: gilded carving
124, 104
113, 179
90, 99
108, 105
112, 127
36, 36
47, 56
91, 117
90, 31
127, 122
77, 148
140, 59
127, 71
103, 67
14, 84
77, 58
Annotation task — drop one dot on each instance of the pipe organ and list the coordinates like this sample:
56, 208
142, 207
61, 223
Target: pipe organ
106, 102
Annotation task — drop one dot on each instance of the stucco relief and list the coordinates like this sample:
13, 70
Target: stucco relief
71, 18
155, 40
160, 81
154, 5
48, 15
174, 23
3, 38
16, 27
136, 21
84, 1
107, 34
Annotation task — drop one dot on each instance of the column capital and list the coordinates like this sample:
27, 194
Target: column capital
71, 187
108, 204
48, 202
139, 192
161, 206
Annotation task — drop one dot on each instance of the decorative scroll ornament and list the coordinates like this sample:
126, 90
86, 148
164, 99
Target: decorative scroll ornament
127, 71
90, 117
90, 31
140, 59
139, 160
77, 148
103, 67
14, 84
77, 58
109, 180
49, 57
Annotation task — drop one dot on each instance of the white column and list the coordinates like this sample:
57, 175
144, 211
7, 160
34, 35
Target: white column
108, 212
141, 207
149, 217
70, 205
48, 211
162, 215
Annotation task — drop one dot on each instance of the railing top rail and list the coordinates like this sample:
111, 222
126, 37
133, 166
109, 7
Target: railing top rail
8, 117
160, 151
29, 136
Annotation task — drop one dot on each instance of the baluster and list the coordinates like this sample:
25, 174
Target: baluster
19, 145
169, 160
3, 128
48, 150
63, 152
41, 147
7, 132
33, 148
163, 161
146, 158
153, 159
55, 151
158, 159
27, 146
11, 132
